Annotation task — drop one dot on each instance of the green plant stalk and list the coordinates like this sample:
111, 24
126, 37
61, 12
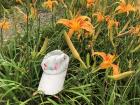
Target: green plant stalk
1, 37
72, 3
135, 49
112, 97
52, 11
27, 28
38, 32
43, 48
96, 70
83, 64
73, 50
88, 60
94, 37
1, 31
110, 33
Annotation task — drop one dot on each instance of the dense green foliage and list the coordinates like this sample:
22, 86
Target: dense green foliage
20, 69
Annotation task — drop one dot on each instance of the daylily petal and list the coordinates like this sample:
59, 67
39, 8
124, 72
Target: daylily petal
118, 8
87, 26
111, 22
99, 16
135, 30
102, 54
90, 3
111, 57
79, 18
115, 69
130, 7
105, 65
65, 22
70, 33
122, 1
107, 59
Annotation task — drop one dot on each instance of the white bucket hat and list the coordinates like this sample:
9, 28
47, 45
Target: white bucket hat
54, 67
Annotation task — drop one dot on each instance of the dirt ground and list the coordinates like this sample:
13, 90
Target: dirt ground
16, 23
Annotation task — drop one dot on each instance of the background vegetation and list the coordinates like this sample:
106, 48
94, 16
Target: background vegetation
20, 69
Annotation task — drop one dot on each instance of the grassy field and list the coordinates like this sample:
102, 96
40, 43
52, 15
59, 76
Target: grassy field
101, 37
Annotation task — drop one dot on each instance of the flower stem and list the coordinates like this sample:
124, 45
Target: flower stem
96, 70
1, 37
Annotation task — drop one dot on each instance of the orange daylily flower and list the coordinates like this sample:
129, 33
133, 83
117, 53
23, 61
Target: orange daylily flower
5, 25
108, 60
49, 4
123, 7
90, 3
135, 30
111, 22
77, 23
99, 15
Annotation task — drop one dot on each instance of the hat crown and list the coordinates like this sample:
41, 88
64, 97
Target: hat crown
55, 62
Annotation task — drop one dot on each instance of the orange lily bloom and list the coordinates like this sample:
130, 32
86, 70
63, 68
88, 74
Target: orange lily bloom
108, 60
77, 23
135, 30
99, 16
123, 7
90, 3
111, 22
49, 4
5, 25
